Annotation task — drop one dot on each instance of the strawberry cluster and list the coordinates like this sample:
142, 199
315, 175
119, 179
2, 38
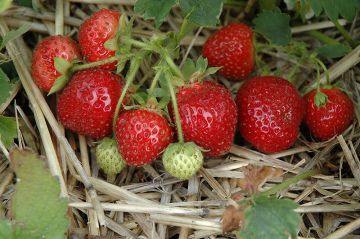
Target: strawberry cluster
268, 110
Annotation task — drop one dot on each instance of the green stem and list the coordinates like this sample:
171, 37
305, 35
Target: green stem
134, 67
154, 83
345, 34
135, 43
175, 69
322, 65
186, 27
287, 183
93, 64
175, 108
322, 37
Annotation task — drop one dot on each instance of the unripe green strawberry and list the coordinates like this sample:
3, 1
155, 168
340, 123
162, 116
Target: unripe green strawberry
108, 157
182, 160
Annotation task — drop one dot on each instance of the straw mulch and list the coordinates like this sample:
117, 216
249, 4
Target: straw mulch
148, 203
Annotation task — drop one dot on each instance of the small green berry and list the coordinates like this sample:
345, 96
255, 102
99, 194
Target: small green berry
108, 157
182, 160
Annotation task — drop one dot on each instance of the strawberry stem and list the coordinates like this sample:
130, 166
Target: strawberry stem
93, 64
344, 33
130, 76
185, 28
154, 83
175, 108
322, 37
322, 65
287, 183
138, 44
174, 68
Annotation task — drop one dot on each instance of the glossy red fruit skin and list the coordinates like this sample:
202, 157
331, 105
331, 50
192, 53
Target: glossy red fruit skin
270, 113
208, 116
87, 104
42, 67
326, 122
142, 135
94, 32
232, 48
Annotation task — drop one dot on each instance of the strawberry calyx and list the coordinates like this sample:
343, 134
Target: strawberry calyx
64, 68
197, 71
320, 99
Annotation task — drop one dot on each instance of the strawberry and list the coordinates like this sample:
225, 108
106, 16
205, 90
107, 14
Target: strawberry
142, 135
330, 119
87, 104
270, 113
42, 69
93, 34
232, 49
108, 157
208, 116
182, 160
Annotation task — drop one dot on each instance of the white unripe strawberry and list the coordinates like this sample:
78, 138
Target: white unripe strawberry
182, 160
108, 157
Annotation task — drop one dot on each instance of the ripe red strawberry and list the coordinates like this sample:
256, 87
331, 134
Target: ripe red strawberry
94, 32
88, 102
142, 135
231, 48
331, 119
208, 116
270, 113
43, 69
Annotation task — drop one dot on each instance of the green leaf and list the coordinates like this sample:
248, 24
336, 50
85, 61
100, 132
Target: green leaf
268, 4
59, 83
188, 69
61, 65
24, 3
271, 218
5, 87
211, 70
275, 26
164, 102
202, 12
201, 64
36, 204
4, 5
158, 9
10, 231
11, 35
6, 230
111, 44
320, 99
160, 92
316, 6
333, 50
8, 131
348, 8
330, 8
336, 8
140, 97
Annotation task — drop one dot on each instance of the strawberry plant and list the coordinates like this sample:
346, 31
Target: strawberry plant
179, 119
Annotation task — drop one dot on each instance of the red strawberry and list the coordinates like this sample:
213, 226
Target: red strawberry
142, 135
94, 32
43, 69
231, 48
327, 121
270, 113
208, 116
88, 102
